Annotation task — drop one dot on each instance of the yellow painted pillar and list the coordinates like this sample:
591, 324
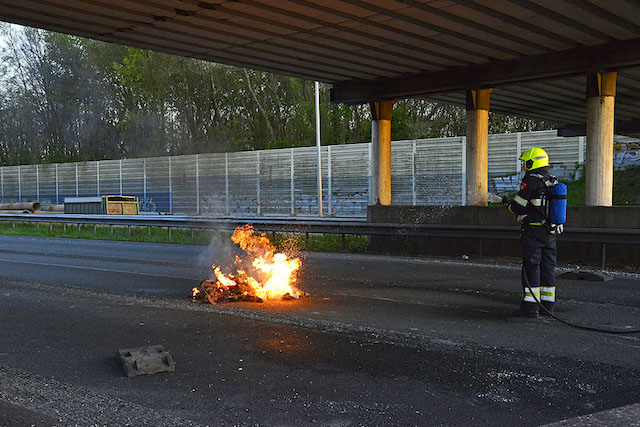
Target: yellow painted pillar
381, 113
601, 95
477, 174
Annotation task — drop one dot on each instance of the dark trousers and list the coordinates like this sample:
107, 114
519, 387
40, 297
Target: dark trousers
538, 267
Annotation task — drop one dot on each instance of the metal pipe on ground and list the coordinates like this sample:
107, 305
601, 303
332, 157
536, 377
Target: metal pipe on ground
24, 206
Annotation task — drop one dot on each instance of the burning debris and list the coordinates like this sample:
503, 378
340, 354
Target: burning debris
216, 292
271, 273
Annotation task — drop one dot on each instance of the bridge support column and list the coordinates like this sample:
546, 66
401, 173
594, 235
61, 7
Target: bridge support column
381, 113
477, 184
601, 93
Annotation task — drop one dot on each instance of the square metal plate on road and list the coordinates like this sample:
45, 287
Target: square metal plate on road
146, 360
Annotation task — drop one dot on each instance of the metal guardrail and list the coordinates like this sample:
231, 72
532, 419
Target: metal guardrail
601, 236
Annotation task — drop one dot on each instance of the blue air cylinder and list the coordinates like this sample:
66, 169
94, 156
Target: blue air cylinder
558, 208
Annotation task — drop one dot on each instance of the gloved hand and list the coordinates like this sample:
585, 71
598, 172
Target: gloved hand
505, 201
559, 229
520, 218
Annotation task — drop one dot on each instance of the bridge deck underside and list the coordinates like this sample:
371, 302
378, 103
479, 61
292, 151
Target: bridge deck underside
345, 42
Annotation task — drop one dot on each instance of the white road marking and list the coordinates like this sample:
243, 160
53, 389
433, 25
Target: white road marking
414, 302
105, 270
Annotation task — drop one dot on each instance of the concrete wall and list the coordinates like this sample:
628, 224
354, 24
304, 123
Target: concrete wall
577, 217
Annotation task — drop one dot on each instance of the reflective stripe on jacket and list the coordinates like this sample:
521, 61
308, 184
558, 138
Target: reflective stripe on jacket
532, 198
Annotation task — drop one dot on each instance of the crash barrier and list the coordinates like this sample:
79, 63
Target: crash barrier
593, 235
477, 235
284, 181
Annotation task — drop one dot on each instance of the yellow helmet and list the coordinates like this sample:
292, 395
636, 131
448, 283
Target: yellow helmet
535, 158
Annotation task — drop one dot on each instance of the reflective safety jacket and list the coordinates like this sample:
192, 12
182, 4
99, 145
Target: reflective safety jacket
533, 197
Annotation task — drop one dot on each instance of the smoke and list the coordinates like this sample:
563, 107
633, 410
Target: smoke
221, 251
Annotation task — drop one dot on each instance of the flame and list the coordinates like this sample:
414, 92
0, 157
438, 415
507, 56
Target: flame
222, 279
275, 270
281, 273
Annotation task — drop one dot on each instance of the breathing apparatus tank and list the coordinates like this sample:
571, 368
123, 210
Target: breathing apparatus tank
558, 204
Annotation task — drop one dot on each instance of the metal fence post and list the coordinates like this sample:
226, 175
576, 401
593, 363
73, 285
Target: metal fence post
77, 193
518, 152
258, 180
370, 180
414, 196
57, 198
329, 192
144, 181
226, 183
318, 148
464, 171
293, 189
581, 149
120, 173
98, 177
37, 182
170, 189
198, 184
19, 185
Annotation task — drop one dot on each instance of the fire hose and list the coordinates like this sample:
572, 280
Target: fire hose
612, 330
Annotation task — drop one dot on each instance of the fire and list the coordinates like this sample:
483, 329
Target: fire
222, 279
275, 272
281, 271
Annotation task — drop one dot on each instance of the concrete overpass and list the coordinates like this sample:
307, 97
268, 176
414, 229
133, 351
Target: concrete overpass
565, 61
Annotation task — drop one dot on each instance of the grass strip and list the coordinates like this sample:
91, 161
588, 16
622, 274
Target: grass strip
284, 241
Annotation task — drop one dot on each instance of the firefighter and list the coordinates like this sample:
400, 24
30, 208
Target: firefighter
538, 237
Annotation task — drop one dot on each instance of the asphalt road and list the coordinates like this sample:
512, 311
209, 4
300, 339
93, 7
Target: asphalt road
381, 341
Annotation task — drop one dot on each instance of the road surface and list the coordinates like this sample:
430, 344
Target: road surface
381, 341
